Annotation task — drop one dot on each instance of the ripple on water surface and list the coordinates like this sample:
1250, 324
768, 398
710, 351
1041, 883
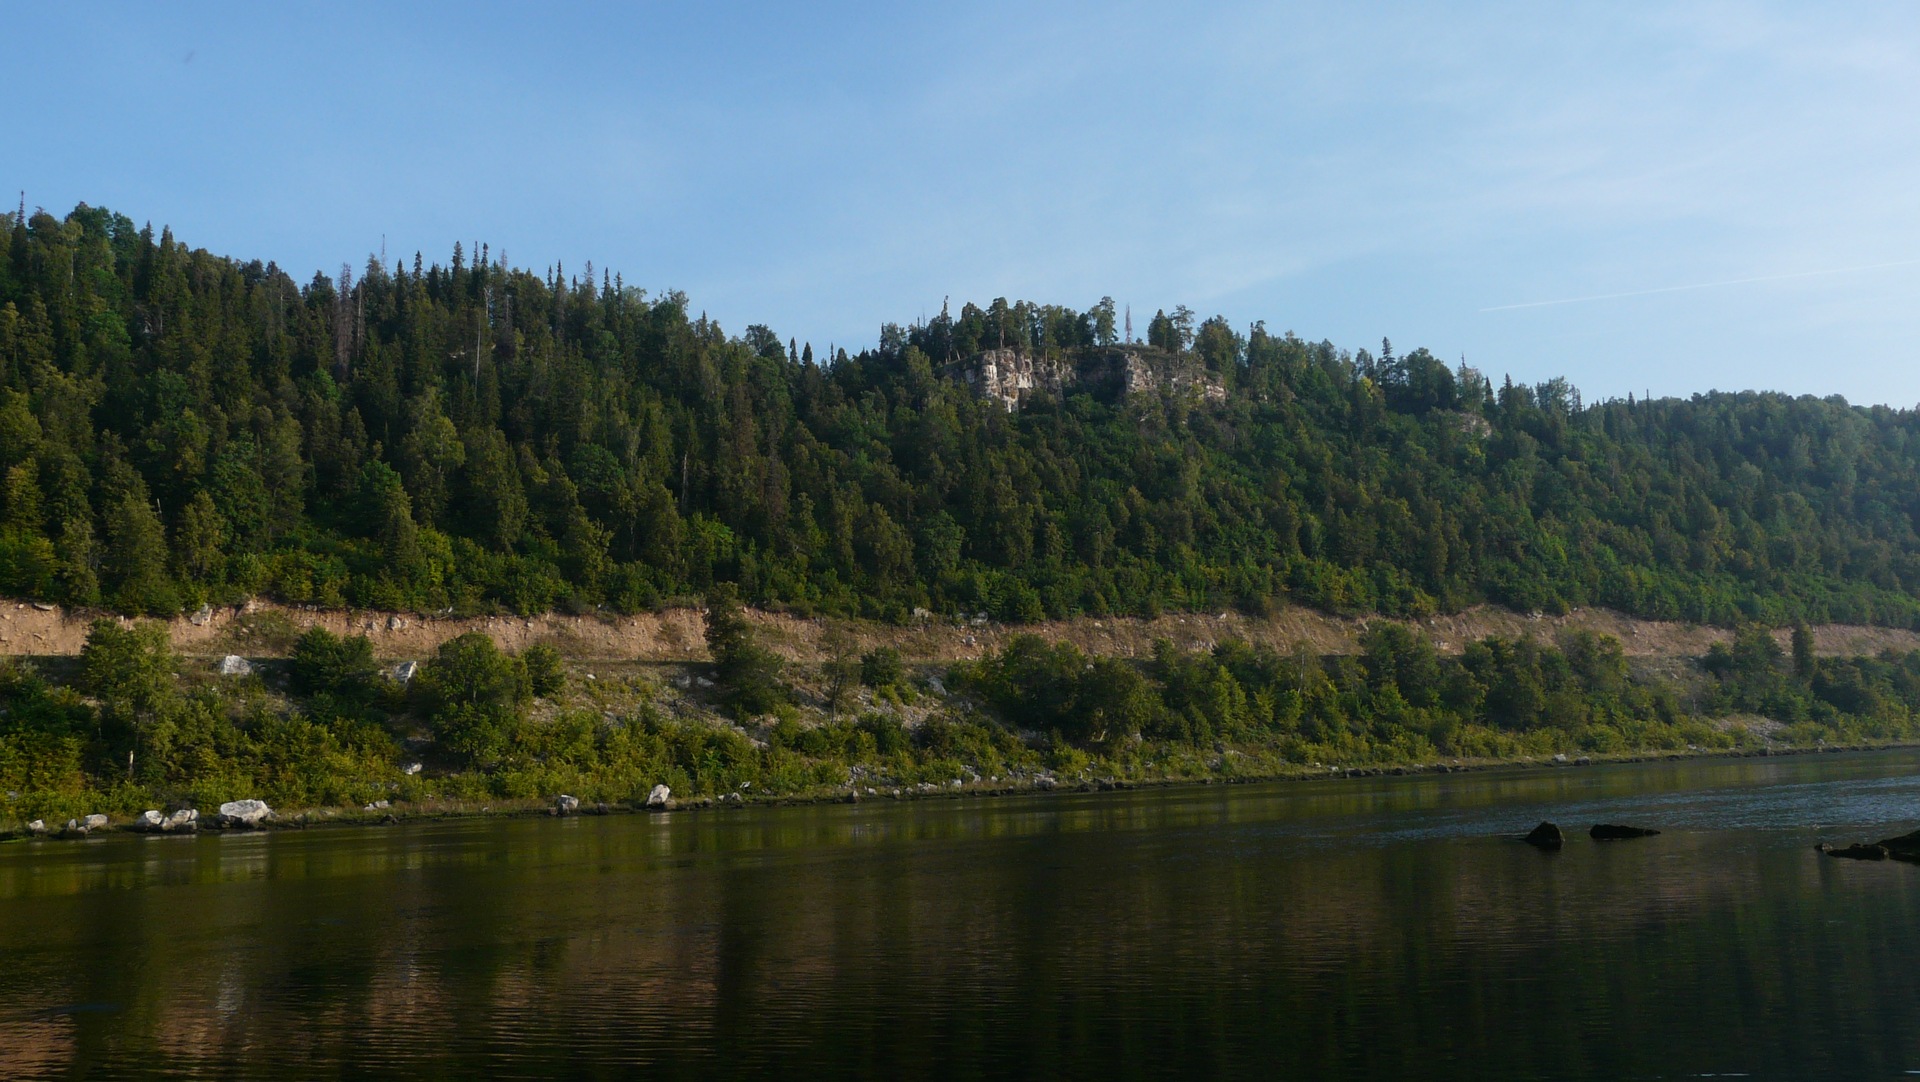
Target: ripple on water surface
1371, 928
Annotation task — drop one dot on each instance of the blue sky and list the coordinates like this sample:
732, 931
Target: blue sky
1345, 171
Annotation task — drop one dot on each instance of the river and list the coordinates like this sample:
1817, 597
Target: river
1377, 928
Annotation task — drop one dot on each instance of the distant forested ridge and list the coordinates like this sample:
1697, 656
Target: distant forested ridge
178, 427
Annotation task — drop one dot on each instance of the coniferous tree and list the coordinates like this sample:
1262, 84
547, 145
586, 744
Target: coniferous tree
136, 563
563, 444
747, 672
1804, 664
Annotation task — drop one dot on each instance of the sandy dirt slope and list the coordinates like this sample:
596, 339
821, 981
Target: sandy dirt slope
263, 629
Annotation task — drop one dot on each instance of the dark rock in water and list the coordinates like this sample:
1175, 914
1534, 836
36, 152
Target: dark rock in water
1605, 832
1860, 851
1905, 847
1546, 836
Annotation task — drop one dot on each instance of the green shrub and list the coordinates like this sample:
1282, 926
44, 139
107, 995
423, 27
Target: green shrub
328, 664
127, 668
546, 673
881, 668
473, 696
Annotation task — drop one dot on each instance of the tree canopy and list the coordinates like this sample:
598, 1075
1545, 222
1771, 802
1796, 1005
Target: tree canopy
178, 427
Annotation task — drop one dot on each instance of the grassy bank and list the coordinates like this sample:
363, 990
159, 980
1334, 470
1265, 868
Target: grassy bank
129, 726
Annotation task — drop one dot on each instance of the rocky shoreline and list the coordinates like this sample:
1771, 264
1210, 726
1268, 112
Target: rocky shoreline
255, 815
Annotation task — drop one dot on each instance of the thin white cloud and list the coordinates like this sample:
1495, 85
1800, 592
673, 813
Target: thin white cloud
1700, 285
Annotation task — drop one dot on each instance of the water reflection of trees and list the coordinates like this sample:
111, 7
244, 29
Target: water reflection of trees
1223, 929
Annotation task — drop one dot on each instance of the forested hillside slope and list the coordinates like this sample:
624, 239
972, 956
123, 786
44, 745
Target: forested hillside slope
178, 427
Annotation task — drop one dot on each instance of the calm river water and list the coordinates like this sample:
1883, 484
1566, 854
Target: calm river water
1380, 928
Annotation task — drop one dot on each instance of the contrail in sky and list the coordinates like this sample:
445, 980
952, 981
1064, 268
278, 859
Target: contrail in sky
1699, 285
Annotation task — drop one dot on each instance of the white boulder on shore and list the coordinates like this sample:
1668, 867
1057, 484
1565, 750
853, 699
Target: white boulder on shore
566, 804
244, 813
660, 797
87, 824
151, 821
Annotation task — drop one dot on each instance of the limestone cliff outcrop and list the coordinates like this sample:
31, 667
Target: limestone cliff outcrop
1008, 376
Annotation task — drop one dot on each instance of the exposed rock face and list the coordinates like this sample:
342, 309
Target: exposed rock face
1143, 377
1603, 832
403, 673
1472, 424
660, 797
1008, 376
1546, 836
244, 813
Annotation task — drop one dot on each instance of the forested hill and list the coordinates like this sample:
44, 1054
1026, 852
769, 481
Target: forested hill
177, 427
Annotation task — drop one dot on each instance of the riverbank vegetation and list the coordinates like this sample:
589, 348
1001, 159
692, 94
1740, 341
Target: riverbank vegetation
177, 428
127, 726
